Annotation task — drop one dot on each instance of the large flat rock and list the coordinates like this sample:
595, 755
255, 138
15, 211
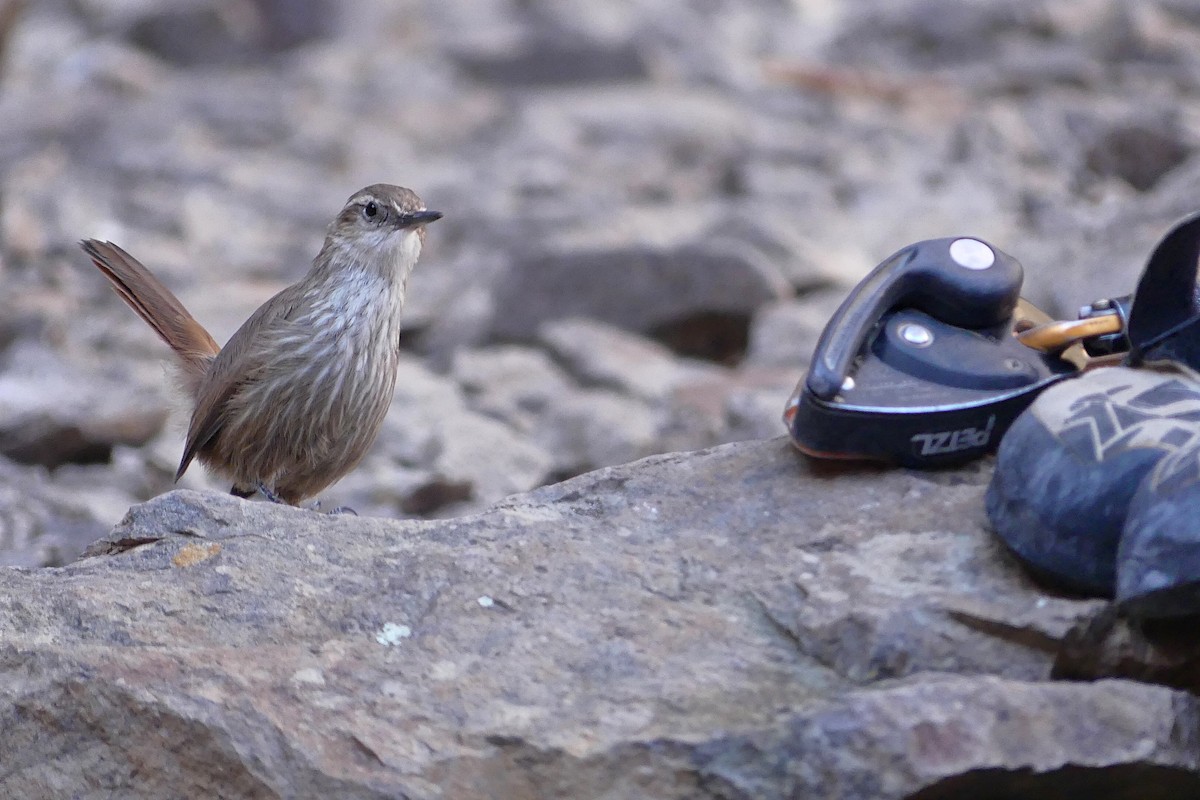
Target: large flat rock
731, 623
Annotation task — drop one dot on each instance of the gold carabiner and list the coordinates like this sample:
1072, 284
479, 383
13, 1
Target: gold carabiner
1050, 337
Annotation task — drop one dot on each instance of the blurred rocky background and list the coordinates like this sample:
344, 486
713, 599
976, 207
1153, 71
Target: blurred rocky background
651, 208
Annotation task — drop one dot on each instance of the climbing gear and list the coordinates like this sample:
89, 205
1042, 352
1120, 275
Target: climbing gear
934, 354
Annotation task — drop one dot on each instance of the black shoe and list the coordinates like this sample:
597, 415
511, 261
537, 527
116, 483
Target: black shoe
1068, 471
1158, 562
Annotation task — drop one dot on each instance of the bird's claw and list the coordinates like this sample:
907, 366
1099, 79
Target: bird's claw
270, 495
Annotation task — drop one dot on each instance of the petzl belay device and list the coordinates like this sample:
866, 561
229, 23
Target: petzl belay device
920, 365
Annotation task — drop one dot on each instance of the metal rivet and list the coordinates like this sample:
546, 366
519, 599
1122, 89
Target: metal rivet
972, 254
916, 335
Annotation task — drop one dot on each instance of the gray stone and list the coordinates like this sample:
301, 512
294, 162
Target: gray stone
511, 382
580, 429
732, 623
755, 412
598, 428
784, 334
931, 33
554, 59
44, 524
51, 414
1139, 151
431, 427
603, 355
649, 278
641, 168
190, 32
744, 403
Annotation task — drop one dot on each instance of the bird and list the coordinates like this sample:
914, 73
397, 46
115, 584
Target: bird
298, 394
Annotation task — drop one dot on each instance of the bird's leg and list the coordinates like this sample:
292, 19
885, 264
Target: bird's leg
270, 495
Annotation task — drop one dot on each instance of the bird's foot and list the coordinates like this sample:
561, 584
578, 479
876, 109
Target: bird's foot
269, 494
316, 506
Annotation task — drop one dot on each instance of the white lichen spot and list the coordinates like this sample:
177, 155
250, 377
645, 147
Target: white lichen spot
444, 671
392, 634
486, 601
311, 675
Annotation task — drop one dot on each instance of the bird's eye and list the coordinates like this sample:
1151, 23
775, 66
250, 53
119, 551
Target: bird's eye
370, 210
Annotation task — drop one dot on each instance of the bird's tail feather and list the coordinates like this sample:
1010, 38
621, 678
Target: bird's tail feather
162, 311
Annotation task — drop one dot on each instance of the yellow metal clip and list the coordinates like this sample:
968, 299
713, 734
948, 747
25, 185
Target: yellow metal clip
1050, 337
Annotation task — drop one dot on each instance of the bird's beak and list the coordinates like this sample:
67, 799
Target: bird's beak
416, 218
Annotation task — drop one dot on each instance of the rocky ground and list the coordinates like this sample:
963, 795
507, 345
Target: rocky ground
651, 208
730, 624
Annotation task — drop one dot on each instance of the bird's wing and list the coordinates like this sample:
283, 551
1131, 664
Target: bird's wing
238, 364
209, 415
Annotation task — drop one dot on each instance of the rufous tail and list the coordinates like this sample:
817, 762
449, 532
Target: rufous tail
161, 310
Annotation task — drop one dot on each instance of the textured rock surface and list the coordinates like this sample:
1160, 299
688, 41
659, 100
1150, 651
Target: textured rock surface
44, 522
731, 623
47, 418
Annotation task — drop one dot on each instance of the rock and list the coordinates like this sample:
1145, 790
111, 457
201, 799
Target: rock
780, 331
469, 455
755, 413
1138, 152
602, 355
930, 33
555, 59
580, 429
191, 33
745, 403
511, 382
933, 750
635, 285
451, 306
83, 419
730, 623
793, 241
644, 170
47, 525
596, 428
680, 174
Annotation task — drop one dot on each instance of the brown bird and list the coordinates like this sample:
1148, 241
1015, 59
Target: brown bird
296, 397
